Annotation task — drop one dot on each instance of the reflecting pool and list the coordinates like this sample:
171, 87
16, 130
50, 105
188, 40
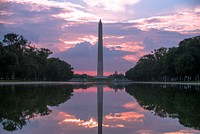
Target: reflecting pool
99, 109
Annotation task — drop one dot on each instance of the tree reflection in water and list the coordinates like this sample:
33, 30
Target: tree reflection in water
20, 103
182, 102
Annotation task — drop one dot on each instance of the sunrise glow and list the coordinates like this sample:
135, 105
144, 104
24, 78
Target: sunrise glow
130, 28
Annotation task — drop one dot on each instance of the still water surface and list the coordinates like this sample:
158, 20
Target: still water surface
99, 109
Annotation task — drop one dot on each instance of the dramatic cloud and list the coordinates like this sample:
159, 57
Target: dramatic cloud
178, 22
46, 4
83, 57
111, 5
77, 122
109, 10
127, 116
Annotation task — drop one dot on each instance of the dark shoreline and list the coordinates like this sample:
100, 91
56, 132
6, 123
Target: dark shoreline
167, 83
63, 82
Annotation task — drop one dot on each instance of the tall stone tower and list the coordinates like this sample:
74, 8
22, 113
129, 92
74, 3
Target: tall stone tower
100, 51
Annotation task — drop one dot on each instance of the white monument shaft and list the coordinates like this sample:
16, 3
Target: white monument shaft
100, 51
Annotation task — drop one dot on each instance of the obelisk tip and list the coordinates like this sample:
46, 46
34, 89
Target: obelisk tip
100, 21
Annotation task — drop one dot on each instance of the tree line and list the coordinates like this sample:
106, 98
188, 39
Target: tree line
180, 63
19, 60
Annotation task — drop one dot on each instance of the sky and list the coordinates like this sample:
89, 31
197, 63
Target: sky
131, 28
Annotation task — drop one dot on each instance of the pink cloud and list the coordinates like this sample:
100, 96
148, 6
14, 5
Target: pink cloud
125, 116
92, 73
177, 22
7, 13
111, 5
93, 90
183, 132
77, 16
134, 57
46, 4
133, 105
66, 119
6, 22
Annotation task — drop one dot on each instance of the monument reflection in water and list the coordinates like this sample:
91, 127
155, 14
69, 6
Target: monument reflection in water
100, 107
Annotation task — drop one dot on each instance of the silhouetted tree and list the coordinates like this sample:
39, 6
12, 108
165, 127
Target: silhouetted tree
58, 69
173, 64
19, 60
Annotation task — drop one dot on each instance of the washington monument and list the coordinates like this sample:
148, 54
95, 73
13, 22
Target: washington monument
100, 51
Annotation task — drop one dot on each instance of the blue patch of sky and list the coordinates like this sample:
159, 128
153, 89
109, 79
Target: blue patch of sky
79, 2
148, 8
